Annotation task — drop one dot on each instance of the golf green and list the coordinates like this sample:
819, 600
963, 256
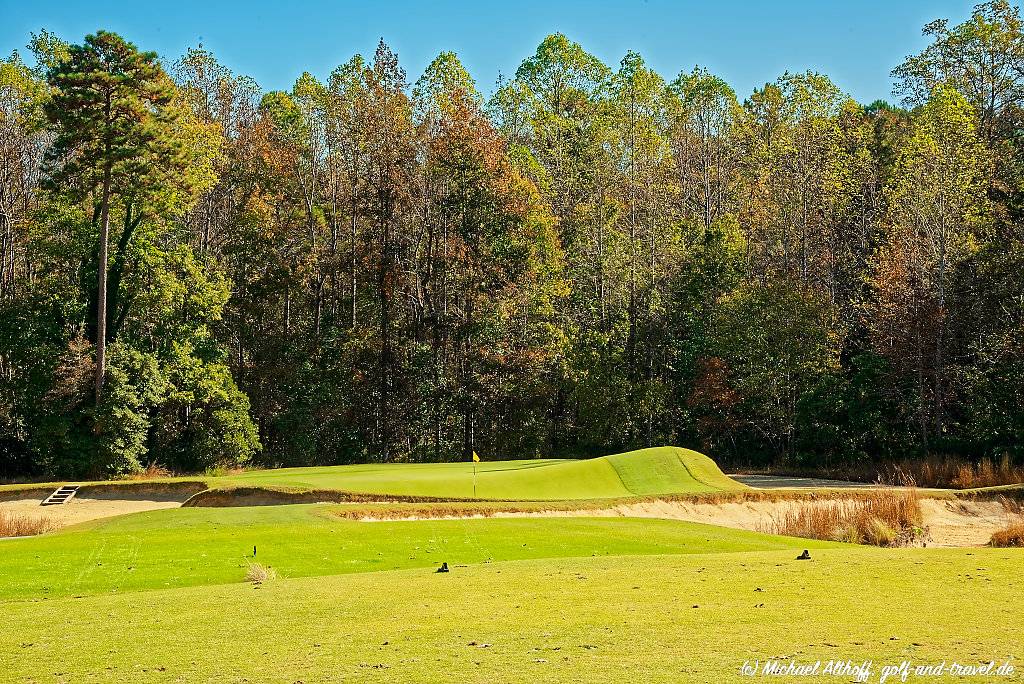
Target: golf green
658, 470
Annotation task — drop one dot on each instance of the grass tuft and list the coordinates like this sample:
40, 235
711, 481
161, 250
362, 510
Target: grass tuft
1010, 536
13, 525
257, 573
885, 517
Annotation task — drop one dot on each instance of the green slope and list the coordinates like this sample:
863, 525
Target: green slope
195, 546
670, 470
659, 470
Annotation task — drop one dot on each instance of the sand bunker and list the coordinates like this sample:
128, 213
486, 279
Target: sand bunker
950, 523
82, 509
98, 501
964, 523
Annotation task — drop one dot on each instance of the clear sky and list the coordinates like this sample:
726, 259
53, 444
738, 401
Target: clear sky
855, 42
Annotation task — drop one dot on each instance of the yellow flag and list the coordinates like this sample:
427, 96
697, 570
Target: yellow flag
476, 459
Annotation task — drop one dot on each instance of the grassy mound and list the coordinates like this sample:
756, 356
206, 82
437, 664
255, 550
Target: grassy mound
670, 470
655, 471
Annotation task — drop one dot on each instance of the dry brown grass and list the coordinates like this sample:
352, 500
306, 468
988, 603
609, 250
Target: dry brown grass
954, 472
938, 472
257, 573
1010, 536
1011, 505
988, 473
353, 509
265, 496
884, 517
14, 525
153, 471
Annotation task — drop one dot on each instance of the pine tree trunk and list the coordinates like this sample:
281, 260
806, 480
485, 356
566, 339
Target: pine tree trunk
101, 294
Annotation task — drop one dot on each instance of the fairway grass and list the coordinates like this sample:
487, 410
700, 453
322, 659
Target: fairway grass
161, 596
195, 546
661, 618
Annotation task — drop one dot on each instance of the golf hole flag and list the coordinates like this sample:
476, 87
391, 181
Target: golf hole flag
476, 459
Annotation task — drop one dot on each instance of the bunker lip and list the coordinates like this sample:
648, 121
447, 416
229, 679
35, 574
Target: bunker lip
147, 490
218, 497
223, 497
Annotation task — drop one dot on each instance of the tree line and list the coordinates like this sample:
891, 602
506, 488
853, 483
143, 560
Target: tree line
199, 274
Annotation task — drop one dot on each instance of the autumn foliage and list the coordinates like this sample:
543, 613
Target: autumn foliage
590, 258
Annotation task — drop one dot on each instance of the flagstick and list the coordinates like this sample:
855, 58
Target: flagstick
474, 479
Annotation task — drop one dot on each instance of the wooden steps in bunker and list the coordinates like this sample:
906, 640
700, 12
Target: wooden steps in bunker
62, 495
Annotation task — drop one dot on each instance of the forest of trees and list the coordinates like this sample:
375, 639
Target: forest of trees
196, 273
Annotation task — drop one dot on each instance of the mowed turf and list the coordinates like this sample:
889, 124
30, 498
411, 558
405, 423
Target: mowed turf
161, 597
663, 618
195, 546
659, 470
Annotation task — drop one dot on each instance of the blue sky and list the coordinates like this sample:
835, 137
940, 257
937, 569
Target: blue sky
856, 43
